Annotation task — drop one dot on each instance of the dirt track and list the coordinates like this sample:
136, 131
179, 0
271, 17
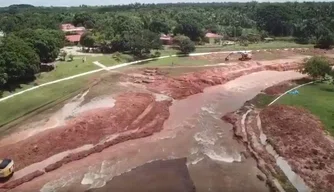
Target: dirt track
141, 113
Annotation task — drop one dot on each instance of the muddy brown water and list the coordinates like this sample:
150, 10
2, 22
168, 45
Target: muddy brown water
162, 176
194, 131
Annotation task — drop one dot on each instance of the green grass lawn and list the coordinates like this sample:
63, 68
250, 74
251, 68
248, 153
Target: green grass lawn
179, 61
318, 98
22, 104
261, 45
175, 61
69, 68
108, 60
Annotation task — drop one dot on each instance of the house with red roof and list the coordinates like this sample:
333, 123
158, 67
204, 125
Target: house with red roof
73, 33
166, 39
213, 38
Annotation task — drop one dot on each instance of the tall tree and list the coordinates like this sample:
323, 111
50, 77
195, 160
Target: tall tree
17, 60
87, 40
275, 19
159, 27
190, 30
142, 43
46, 42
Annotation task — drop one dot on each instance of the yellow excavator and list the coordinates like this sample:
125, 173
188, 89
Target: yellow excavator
245, 56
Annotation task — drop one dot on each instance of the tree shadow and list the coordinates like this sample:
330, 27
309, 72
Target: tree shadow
327, 89
303, 80
12, 87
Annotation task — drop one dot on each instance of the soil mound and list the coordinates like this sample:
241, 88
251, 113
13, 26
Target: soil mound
195, 82
17, 182
139, 113
278, 89
299, 136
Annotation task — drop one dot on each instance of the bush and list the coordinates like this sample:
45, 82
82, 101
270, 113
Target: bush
185, 45
325, 40
156, 54
317, 67
117, 56
63, 55
71, 57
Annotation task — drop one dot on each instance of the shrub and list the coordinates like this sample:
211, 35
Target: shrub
316, 67
185, 45
71, 57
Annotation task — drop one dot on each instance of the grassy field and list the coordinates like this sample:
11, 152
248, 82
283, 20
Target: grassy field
261, 45
174, 61
69, 68
318, 98
30, 101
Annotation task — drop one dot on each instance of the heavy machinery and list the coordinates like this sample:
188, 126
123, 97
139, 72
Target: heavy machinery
245, 56
6, 168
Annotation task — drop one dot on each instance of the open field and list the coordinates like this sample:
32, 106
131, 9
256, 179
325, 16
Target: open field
318, 98
260, 45
69, 68
30, 101
263, 45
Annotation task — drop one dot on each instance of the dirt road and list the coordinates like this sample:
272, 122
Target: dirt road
194, 130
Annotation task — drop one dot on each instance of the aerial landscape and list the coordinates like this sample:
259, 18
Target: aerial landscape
173, 97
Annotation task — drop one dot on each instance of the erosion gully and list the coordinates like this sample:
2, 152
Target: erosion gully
194, 130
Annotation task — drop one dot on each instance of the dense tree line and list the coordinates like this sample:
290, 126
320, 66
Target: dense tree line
32, 34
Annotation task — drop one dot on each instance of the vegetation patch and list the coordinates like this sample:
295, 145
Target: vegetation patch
317, 98
25, 103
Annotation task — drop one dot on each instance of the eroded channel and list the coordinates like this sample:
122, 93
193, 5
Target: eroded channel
193, 131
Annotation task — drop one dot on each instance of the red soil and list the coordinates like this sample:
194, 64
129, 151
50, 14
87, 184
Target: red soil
298, 136
195, 82
132, 111
17, 182
278, 89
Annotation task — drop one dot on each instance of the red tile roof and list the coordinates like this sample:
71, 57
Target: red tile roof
165, 37
213, 35
73, 38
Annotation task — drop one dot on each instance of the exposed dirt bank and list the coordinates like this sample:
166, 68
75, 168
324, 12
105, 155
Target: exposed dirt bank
299, 136
285, 86
139, 112
247, 131
192, 83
